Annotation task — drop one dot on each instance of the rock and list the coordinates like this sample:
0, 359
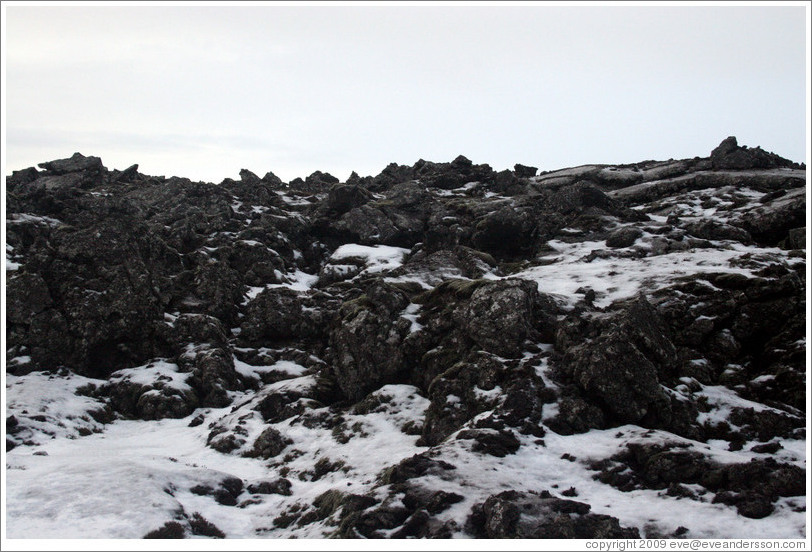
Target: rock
128, 174
367, 342
623, 237
220, 290
729, 155
506, 233
767, 448
449, 176
623, 368
495, 443
280, 315
714, 230
203, 527
76, 163
169, 530
213, 376
398, 220
513, 514
341, 199
270, 443
248, 177
524, 171
501, 316
415, 466
575, 415
579, 198
279, 486
19, 180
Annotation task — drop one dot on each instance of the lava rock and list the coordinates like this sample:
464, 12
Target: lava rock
270, 443
513, 514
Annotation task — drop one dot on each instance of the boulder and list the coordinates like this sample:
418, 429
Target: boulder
76, 163
501, 316
728, 155
530, 515
524, 171
367, 341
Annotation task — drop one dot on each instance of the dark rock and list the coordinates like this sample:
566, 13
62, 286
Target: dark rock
279, 486
415, 466
755, 507
494, 443
213, 376
386, 517
248, 177
367, 342
128, 174
169, 530
623, 368
270, 443
280, 315
576, 415
76, 163
623, 237
500, 316
524, 171
203, 527
729, 155
715, 230
513, 514
506, 233
341, 199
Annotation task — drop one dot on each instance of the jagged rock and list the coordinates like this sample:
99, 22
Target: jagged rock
415, 466
623, 367
279, 315
367, 342
452, 175
501, 316
169, 530
513, 514
771, 223
623, 237
279, 486
270, 443
153, 398
182, 295
341, 199
248, 177
76, 163
524, 171
506, 232
213, 376
714, 230
729, 155
576, 415
197, 328
492, 442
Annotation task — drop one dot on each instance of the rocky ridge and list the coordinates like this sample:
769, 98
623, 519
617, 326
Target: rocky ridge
441, 350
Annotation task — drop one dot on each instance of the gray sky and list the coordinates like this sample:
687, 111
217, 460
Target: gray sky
203, 91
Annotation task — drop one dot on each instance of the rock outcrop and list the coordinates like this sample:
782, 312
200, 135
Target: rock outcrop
439, 351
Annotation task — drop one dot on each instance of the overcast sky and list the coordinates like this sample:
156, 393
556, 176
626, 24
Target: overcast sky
203, 91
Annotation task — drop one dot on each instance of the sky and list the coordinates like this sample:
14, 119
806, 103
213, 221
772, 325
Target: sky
203, 91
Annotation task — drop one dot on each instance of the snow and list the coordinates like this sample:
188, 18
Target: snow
378, 258
284, 367
120, 489
537, 467
616, 278
410, 314
17, 218
156, 371
47, 406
